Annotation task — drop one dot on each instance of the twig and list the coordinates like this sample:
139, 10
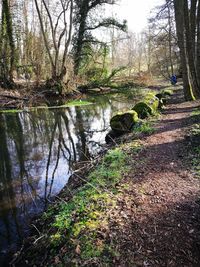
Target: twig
38, 239
36, 229
14, 97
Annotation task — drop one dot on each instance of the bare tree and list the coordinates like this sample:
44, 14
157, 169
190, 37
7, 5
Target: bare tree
58, 43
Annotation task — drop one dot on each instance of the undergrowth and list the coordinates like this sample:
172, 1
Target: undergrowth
145, 127
82, 223
194, 134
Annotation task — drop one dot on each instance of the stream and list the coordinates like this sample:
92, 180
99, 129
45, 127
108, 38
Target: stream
37, 152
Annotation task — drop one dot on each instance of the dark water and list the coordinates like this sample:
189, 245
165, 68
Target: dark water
37, 150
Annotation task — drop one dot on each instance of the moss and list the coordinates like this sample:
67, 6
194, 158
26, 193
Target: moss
167, 92
159, 96
124, 121
152, 101
143, 110
77, 103
87, 212
147, 107
196, 112
11, 111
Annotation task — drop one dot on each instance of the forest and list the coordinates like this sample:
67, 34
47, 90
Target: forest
59, 44
99, 134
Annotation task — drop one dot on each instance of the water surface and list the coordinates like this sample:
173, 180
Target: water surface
37, 152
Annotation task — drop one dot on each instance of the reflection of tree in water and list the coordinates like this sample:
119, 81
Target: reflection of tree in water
82, 147
34, 147
7, 193
67, 151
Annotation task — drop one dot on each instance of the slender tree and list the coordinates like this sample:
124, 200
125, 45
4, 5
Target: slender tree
61, 32
7, 46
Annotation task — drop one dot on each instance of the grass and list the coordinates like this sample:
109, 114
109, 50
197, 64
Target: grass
9, 111
77, 103
196, 112
145, 127
82, 222
195, 143
73, 103
196, 161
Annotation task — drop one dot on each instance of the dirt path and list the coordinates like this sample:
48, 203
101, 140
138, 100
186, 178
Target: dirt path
160, 212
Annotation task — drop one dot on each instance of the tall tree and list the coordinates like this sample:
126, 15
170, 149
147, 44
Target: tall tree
7, 46
85, 24
179, 17
187, 25
61, 32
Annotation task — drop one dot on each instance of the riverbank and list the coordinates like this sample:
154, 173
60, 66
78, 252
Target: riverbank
30, 94
138, 207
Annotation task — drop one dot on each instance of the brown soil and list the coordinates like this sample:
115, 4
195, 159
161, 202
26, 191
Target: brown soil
160, 212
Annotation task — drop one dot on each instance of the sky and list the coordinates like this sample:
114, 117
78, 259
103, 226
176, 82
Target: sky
136, 12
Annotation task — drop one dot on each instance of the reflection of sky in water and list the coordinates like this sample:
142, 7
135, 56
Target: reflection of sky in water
37, 150
55, 182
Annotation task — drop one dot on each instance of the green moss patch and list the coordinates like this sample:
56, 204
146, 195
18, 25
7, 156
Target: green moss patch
143, 110
11, 111
147, 107
167, 92
82, 223
124, 121
77, 103
144, 127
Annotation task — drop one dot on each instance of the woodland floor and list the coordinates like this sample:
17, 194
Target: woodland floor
157, 219
161, 220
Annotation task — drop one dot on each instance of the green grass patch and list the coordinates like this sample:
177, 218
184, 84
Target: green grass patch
196, 112
74, 103
195, 151
80, 221
11, 111
144, 127
77, 103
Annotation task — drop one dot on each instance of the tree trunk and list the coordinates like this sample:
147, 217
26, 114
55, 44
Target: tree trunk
179, 17
198, 45
7, 42
193, 20
190, 44
170, 39
80, 36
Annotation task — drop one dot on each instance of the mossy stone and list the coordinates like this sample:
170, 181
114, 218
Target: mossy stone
167, 92
148, 106
143, 110
124, 121
159, 96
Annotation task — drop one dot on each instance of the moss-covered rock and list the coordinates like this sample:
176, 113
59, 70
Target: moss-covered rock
124, 121
162, 100
152, 101
163, 96
147, 107
143, 110
167, 92
160, 96
111, 136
